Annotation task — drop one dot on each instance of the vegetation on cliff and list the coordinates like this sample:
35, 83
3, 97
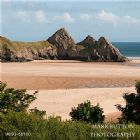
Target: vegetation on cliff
26, 51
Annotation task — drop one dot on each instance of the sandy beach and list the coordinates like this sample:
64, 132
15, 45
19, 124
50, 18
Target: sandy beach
64, 84
59, 102
69, 74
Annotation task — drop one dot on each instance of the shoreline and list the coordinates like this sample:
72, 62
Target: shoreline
133, 58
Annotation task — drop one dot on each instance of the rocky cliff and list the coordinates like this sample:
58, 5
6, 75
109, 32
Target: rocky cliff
60, 46
101, 50
89, 49
88, 42
63, 41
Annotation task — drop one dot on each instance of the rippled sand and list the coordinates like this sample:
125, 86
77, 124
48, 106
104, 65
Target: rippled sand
69, 74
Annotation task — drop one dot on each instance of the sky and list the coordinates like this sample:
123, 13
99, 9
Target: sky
32, 20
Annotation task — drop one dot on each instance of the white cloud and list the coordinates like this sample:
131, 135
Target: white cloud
86, 16
40, 16
68, 18
108, 17
23, 15
115, 19
130, 20
104, 16
31, 16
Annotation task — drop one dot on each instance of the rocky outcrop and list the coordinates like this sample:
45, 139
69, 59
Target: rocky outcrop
101, 50
105, 51
63, 42
89, 49
60, 46
66, 47
88, 42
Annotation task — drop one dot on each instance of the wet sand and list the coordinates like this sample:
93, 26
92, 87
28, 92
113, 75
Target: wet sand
69, 74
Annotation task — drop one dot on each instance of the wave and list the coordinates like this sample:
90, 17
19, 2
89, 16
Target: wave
134, 58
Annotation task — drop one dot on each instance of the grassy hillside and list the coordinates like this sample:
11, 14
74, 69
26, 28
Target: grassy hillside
16, 45
12, 50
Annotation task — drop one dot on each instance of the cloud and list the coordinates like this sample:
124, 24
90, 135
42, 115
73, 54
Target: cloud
86, 16
108, 17
40, 16
66, 17
130, 20
114, 19
102, 16
31, 16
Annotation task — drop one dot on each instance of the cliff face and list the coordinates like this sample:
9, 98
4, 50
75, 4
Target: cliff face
101, 50
107, 52
88, 42
60, 46
63, 42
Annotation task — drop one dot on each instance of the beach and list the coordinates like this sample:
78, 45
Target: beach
60, 102
63, 84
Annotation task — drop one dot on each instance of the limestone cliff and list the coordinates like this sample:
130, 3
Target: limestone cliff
60, 46
101, 50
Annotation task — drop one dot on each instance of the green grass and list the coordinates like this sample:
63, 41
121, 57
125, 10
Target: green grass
16, 46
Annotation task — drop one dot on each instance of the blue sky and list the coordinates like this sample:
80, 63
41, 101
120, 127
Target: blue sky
37, 20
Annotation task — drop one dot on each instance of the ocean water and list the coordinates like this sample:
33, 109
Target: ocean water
129, 49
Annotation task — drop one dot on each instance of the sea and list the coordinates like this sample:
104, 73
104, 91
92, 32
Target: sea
129, 49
